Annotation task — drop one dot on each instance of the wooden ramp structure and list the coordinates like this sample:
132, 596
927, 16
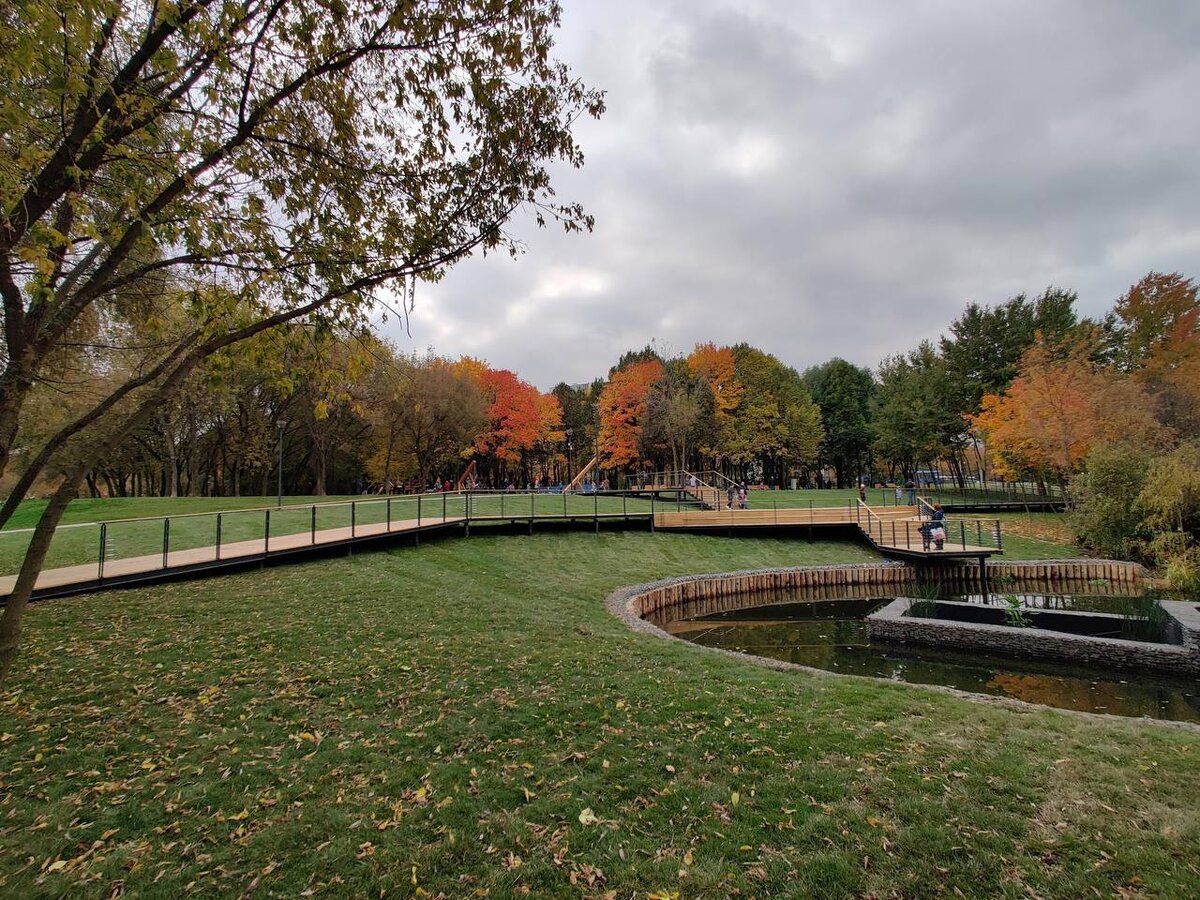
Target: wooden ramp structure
161, 566
141, 551
686, 485
899, 532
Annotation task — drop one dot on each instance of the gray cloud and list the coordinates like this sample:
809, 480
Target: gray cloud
828, 179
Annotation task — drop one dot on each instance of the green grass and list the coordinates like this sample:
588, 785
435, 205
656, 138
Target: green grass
438, 719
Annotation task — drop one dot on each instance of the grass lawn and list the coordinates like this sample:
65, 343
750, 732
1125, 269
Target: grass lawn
466, 719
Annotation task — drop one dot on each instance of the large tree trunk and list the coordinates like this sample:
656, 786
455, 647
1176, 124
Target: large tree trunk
13, 391
31, 567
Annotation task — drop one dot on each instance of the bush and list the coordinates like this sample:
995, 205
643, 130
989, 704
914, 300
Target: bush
1105, 516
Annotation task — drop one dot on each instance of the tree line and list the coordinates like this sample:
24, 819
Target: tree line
1023, 390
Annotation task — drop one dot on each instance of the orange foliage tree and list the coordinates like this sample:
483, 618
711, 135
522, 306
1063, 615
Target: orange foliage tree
1160, 334
622, 410
715, 365
519, 416
1059, 407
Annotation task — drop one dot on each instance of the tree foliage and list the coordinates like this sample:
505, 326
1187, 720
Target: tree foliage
1060, 406
622, 411
262, 161
843, 394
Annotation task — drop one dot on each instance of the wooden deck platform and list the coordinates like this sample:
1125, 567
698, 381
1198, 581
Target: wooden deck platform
893, 531
157, 566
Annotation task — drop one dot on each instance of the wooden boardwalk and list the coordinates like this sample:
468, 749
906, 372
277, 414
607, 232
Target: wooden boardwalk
893, 531
92, 576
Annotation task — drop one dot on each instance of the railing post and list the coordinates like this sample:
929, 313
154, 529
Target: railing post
388, 514
313, 526
962, 534
502, 505
267, 531
979, 531
999, 545
444, 505
218, 536
353, 510
908, 535
625, 505
532, 508
100, 557
418, 513
652, 499
894, 533
166, 540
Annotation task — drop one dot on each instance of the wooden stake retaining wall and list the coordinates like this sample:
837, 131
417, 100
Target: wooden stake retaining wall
709, 594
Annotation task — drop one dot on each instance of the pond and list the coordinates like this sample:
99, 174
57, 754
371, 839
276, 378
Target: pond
831, 634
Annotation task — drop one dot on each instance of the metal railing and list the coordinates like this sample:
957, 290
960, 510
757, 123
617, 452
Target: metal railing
140, 544
959, 533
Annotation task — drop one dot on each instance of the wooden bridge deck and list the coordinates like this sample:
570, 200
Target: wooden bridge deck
90, 576
894, 531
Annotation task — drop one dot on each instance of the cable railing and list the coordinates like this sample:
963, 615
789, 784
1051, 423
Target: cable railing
991, 491
116, 547
958, 532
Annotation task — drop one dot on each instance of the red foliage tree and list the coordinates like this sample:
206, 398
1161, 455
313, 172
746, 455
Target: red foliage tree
622, 408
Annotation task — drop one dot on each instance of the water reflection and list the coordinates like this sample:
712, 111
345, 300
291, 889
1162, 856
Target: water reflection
832, 634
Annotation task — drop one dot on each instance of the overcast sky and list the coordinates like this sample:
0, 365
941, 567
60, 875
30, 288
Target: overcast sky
840, 178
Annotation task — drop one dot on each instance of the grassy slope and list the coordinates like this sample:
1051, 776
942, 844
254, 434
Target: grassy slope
440, 718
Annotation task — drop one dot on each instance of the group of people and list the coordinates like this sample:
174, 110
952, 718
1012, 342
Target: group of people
736, 496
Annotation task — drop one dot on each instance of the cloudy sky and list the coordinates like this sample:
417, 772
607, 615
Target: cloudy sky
840, 178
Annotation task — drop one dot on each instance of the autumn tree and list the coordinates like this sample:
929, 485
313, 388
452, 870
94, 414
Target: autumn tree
681, 414
267, 161
426, 411
1059, 407
715, 365
520, 419
1158, 336
622, 411
778, 427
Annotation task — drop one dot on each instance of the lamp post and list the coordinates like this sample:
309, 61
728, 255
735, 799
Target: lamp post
280, 426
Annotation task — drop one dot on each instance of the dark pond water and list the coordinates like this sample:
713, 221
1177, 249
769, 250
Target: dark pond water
832, 635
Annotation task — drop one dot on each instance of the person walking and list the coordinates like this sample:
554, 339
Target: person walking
937, 526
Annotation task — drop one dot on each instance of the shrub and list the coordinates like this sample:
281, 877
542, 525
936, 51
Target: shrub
1104, 495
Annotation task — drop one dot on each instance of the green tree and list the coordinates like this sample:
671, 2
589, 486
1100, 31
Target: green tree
843, 393
777, 427
983, 352
265, 161
1103, 495
915, 410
